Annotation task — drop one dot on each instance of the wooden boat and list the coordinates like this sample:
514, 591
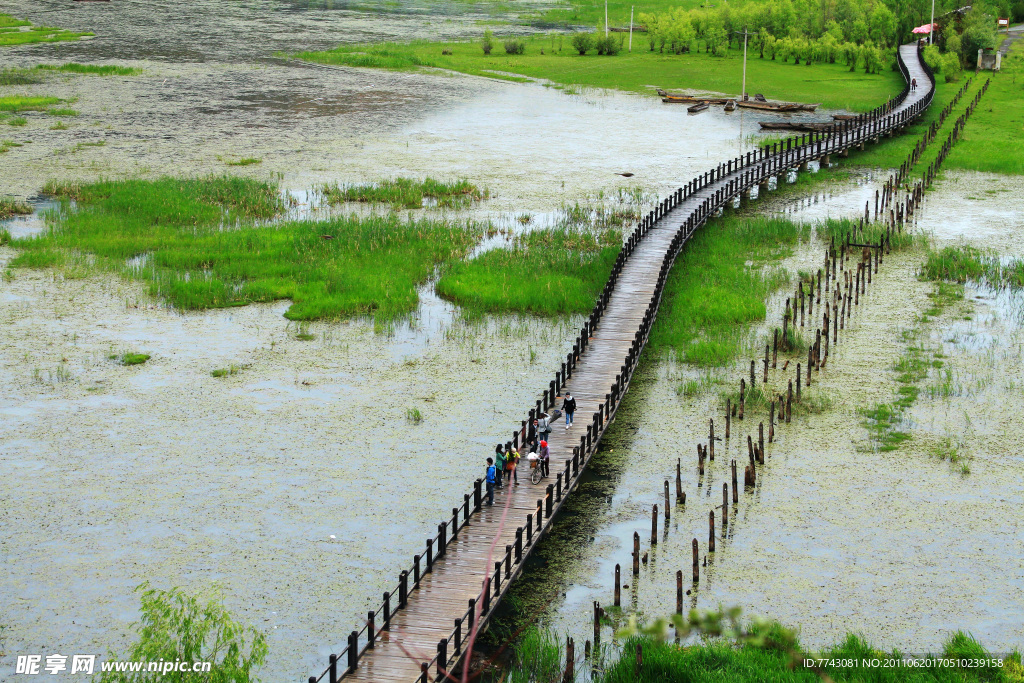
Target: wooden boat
803, 126
769, 106
700, 106
809, 107
730, 105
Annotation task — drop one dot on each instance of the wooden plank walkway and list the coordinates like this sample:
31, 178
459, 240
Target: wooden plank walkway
464, 583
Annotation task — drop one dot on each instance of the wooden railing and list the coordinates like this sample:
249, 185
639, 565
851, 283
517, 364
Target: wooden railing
725, 182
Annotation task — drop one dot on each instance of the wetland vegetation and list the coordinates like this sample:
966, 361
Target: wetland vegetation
406, 193
14, 31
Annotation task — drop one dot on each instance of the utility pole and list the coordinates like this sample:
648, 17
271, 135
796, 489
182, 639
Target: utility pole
606, 18
631, 28
931, 26
745, 34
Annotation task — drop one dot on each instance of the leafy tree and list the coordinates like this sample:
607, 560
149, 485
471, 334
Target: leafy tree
488, 42
882, 25
979, 32
176, 627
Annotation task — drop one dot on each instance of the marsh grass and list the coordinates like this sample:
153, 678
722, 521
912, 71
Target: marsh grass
230, 370
130, 358
406, 193
961, 264
711, 295
302, 332
5, 239
207, 249
11, 32
13, 207
537, 656
91, 69
697, 386
551, 272
62, 112
60, 125
413, 415
19, 77
8, 145
246, 161
16, 104
17, 121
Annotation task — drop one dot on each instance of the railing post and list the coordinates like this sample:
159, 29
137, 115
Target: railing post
403, 589
442, 659
430, 554
371, 631
387, 612
332, 672
547, 501
476, 495
519, 545
353, 651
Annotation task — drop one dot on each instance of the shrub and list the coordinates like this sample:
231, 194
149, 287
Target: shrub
582, 42
488, 42
951, 67
606, 46
515, 47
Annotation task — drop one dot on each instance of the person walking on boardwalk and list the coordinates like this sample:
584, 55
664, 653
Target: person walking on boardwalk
499, 464
544, 427
511, 463
913, 84
491, 475
545, 454
531, 436
568, 407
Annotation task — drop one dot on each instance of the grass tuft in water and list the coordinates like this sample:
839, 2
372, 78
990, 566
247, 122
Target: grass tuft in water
12, 207
91, 69
131, 358
551, 272
230, 370
414, 415
963, 263
406, 193
18, 103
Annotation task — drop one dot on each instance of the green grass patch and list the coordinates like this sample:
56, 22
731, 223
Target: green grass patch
7, 145
130, 358
833, 85
556, 272
15, 31
963, 263
60, 125
712, 294
406, 192
91, 69
246, 161
17, 121
62, 112
204, 247
773, 659
16, 104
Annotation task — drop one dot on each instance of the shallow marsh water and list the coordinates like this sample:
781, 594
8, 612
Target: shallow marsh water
898, 546
162, 473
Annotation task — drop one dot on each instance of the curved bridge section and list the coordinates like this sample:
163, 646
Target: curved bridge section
422, 628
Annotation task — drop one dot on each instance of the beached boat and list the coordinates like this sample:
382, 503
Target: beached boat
730, 105
700, 106
803, 126
769, 106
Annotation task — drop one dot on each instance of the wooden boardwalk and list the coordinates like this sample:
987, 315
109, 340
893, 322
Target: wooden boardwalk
460, 579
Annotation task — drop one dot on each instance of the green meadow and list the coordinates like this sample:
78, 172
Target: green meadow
552, 58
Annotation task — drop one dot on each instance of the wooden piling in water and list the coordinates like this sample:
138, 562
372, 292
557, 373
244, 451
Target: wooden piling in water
668, 507
654, 525
618, 586
700, 460
725, 506
775, 348
771, 422
696, 564
766, 348
799, 379
743, 395
636, 553
735, 493
728, 416
711, 531
680, 494
711, 439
